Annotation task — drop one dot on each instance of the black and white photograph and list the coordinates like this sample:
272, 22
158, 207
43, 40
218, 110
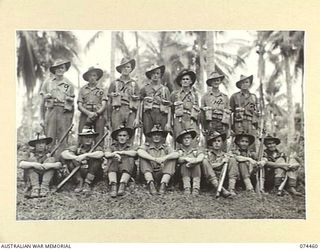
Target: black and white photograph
166, 124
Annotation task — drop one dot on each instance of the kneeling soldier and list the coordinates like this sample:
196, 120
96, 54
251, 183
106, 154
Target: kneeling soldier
190, 159
215, 160
39, 166
277, 166
157, 160
90, 161
246, 159
122, 157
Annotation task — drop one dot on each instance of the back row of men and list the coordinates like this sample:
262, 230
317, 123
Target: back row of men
160, 112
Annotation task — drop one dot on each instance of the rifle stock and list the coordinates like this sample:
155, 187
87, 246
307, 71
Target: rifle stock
224, 170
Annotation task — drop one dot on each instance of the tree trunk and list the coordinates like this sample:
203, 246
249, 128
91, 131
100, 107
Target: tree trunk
112, 58
202, 62
210, 53
286, 53
138, 60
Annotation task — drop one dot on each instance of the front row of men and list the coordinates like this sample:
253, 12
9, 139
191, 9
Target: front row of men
159, 162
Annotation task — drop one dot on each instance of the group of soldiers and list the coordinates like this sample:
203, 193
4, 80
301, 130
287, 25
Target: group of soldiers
125, 109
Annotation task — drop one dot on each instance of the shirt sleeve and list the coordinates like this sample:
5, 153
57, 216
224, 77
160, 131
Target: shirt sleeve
44, 87
80, 96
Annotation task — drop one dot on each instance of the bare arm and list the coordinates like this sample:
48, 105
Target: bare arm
131, 153
145, 155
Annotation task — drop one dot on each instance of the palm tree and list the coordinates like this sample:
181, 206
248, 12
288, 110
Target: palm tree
36, 50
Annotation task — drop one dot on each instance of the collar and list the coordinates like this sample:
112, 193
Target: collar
93, 87
153, 146
187, 150
117, 145
123, 81
218, 93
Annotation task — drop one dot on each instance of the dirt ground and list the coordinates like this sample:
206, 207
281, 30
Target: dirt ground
139, 204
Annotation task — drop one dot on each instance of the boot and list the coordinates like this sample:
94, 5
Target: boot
248, 184
187, 191
78, 188
113, 190
44, 191
162, 189
35, 192
122, 188
225, 193
293, 191
195, 192
152, 188
86, 187
232, 187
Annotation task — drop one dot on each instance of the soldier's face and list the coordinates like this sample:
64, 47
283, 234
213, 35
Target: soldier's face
246, 84
123, 137
60, 70
156, 75
217, 143
86, 140
216, 82
156, 137
186, 81
186, 141
243, 143
93, 77
41, 146
270, 145
126, 69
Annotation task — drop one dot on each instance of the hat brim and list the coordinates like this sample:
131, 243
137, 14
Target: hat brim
132, 62
163, 133
276, 140
223, 136
251, 138
98, 71
238, 83
190, 73
88, 134
53, 68
115, 133
180, 137
149, 72
47, 140
211, 79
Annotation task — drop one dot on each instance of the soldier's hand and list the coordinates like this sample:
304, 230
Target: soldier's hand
136, 123
225, 159
117, 157
252, 161
293, 166
47, 96
80, 158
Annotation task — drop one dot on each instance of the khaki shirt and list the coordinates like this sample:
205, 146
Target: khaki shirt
159, 151
189, 98
125, 89
273, 156
59, 90
217, 101
158, 94
247, 102
92, 97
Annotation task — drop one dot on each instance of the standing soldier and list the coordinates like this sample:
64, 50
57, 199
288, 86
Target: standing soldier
122, 157
92, 102
185, 103
57, 102
157, 160
244, 107
190, 159
277, 166
215, 115
215, 160
39, 166
90, 161
124, 97
156, 104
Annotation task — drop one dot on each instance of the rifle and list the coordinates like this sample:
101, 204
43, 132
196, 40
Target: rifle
224, 170
60, 141
77, 168
260, 174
